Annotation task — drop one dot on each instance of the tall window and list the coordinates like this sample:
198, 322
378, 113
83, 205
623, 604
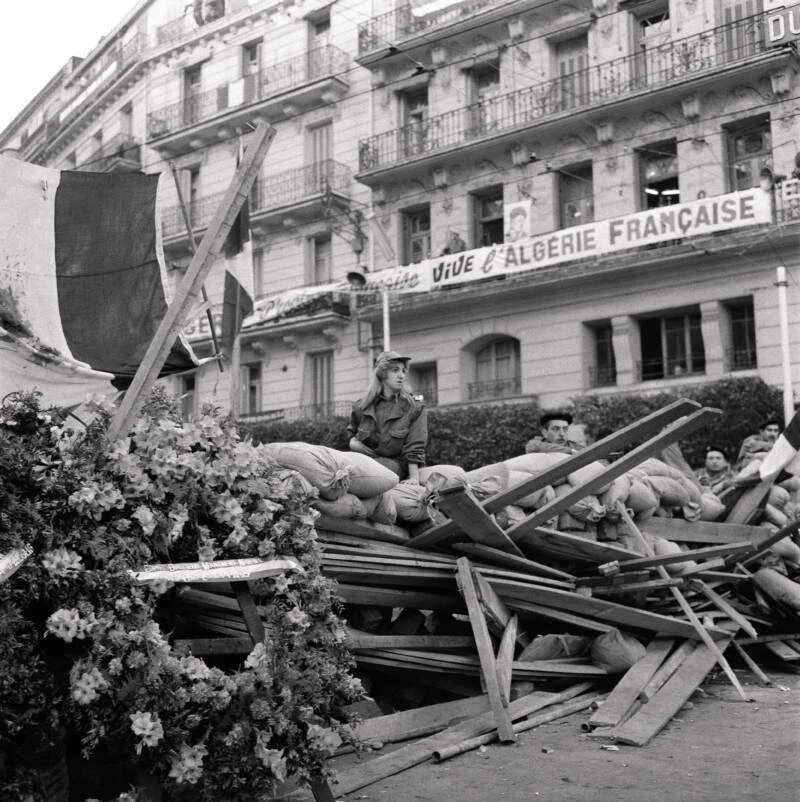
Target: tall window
259, 279
484, 84
191, 194
572, 62
126, 120
672, 345
742, 354
321, 369
497, 370
192, 83
251, 70
414, 114
319, 37
743, 33
653, 51
188, 396
416, 234
251, 387
487, 206
319, 146
749, 151
320, 261
658, 175
603, 371
424, 382
576, 194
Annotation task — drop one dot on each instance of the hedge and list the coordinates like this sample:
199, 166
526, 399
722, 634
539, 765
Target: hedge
479, 435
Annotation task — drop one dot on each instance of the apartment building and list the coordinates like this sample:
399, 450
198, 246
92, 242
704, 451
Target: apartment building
547, 198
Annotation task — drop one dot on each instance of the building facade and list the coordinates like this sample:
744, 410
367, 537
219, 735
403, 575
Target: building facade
608, 154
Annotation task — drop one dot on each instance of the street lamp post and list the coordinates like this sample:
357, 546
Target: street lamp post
788, 394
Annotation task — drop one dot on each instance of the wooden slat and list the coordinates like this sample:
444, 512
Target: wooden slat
216, 646
626, 691
556, 545
707, 532
396, 597
365, 640
708, 553
752, 665
463, 508
497, 614
521, 564
252, 619
559, 616
723, 605
383, 532
505, 658
750, 502
486, 654
651, 448
666, 670
643, 428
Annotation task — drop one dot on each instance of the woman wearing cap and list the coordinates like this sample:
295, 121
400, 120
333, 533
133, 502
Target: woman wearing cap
388, 423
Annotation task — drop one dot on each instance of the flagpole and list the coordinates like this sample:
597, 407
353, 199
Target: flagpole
236, 363
788, 392
193, 249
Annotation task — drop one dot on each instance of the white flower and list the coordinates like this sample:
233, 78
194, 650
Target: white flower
148, 727
64, 624
61, 562
188, 766
144, 515
297, 618
194, 668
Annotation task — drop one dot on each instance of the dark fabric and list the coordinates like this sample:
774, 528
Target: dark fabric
237, 303
110, 291
402, 432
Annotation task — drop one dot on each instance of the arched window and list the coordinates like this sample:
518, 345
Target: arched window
497, 370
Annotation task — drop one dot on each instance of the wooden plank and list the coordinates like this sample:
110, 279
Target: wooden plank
752, 665
558, 616
463, 508
356, 640
636, 587
216, 646
591, 607
505, 658
651, 718
749, 503
187, 294
767, 638
707, 532
626, 691
708, 553
723, 605
557, 545
651, 448
643, 428
485, 650
765, 545
521, 564
666, 670
497, 614
396, 597
783, 651
382, 532
252, 620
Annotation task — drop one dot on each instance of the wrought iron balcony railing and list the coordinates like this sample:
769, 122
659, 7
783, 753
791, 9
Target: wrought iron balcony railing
572, 92
741, 358
602, 377
284, 189
295, 185
283, 77
653, 369
394, 26
328, 409
122, 148
498, 388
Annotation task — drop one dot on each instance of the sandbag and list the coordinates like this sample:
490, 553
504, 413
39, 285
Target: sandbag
711, 508
555, 647
536, 463
775, 516
495, 469
617, 491
587, 509
663, 547
586, 474
346, 506
786, 549
778, 587
368, 477
322, 466
454, 475
616, 651
778, 497
488, 486
670, 492
510, 516
655, 467
411, 502
641, 497
533, 500
569, 523
380, 509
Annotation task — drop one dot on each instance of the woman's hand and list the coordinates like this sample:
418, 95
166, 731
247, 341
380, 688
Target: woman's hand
357, 446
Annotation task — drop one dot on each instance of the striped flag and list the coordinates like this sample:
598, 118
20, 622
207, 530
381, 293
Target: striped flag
783, 456
83, 284
237, 299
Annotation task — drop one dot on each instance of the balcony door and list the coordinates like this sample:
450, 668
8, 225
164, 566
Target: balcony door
319, 148
192, 84
654, 53
251, 71
414, 113
572, 62
743, 32
484, 83
321, 368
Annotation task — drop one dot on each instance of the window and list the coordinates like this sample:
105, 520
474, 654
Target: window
319, 37
749, 151
603, 371
320, 261
192, 82
576, 195
497, 370
654, 55
321, 368
259, 279
191, 194
188, 397
658, 175
672, 345
743, 34
424, 382
572, 62
251, 387
414, 114
484, 85
416, 234
487, 208
319, 144
251, 71
742, 354
126, 120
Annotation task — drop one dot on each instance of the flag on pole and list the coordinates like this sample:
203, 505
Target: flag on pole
237, 300
783, 456
83, 284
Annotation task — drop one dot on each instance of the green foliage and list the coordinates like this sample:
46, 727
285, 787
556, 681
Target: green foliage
331, 432
745, 403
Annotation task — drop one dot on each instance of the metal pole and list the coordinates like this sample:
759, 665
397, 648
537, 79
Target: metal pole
788, 393
386, 333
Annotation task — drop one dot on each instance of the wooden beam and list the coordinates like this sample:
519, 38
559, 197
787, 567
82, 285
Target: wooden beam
708, 553
724, 606
396, 597
666, 670
750, 502
216, 646
255, 626
497, 614
365, 640
632, 433
752, 665
559, 616
187, 294
653, 446
706, 532
505, 659
522, 564
485, 650
557, 545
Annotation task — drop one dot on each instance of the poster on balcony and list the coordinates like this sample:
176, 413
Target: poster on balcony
517, 220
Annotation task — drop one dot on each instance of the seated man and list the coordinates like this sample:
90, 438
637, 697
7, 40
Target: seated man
716, 474
757, 446
554, 436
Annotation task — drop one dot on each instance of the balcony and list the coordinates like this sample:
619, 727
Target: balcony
670, 368
329, 409
494, 390
602, 377
121, 154
278, 92
741, 358
382, 35
717, 57
300, 194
